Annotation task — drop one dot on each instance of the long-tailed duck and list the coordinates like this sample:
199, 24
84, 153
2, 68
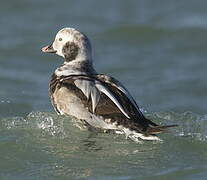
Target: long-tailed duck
96, 99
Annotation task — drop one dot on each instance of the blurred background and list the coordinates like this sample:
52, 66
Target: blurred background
156, 49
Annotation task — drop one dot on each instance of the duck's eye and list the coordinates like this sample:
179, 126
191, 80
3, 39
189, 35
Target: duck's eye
60, 39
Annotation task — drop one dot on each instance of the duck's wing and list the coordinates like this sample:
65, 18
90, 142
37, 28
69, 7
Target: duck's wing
104, 96
130, 106
125, 98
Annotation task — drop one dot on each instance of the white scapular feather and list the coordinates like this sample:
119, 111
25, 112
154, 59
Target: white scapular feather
111, 96
89, 90
95, 96
84, 86
119, 86
93, 89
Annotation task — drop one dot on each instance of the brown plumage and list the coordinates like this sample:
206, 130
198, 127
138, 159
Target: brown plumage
106, 107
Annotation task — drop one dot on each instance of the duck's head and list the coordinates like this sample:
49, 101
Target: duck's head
71, 44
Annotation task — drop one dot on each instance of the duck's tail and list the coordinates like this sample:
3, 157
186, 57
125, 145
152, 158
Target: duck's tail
159, 129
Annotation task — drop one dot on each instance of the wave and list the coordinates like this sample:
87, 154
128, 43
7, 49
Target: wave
191, 125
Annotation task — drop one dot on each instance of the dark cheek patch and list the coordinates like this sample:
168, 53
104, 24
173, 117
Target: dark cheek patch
70, 51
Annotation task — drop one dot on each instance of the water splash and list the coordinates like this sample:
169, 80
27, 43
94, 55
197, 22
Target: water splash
48, 122
190, 124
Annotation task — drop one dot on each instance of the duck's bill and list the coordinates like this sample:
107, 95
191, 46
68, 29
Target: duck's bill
48, 49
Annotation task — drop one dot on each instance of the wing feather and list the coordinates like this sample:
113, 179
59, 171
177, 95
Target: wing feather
120, 87
98, 86
84, 86
95, 96
107, 92
92, 89
125, 98
89, 90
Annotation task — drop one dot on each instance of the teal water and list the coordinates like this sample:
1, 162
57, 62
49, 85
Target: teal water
156, 49
46, 146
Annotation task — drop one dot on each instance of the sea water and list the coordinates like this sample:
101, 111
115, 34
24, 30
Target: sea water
156, 49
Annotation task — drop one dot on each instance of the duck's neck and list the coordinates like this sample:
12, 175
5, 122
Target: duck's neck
75, 68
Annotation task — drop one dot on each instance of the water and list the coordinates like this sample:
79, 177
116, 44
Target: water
46, 146
157, 49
